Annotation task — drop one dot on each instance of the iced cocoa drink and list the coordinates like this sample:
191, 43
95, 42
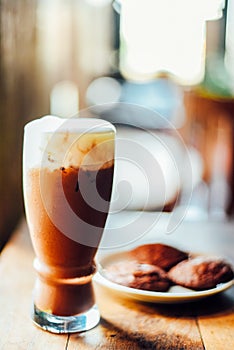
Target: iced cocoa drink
68, 173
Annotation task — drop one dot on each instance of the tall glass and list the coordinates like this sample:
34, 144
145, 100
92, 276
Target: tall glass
67, 176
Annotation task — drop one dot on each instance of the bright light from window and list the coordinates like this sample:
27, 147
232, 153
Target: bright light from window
165, 36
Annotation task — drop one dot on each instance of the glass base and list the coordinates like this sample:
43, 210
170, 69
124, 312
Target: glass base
66, 324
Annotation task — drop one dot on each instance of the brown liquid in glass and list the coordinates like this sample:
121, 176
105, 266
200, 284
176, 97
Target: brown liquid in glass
65, 260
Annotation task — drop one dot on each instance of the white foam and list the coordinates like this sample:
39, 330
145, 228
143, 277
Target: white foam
54, 142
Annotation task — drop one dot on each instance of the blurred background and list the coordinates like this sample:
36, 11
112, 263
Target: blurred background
172, 57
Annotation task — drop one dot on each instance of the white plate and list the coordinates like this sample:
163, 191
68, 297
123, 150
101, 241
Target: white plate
176, 294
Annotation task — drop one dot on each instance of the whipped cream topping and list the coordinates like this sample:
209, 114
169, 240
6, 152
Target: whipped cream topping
52, 142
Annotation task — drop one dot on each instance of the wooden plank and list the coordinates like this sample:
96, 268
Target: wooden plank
133, 325
125, 324
216, 322
16, 283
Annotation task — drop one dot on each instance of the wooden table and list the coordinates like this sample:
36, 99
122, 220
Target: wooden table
125, 324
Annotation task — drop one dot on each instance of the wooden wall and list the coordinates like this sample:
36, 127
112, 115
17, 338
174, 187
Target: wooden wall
18, 102
41, 43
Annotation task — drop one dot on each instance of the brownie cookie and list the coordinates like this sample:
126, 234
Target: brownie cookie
150, 277
158, 254
201, 273
121, 272
139, 276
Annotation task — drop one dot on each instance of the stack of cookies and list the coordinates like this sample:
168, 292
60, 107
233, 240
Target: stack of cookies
156, 267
